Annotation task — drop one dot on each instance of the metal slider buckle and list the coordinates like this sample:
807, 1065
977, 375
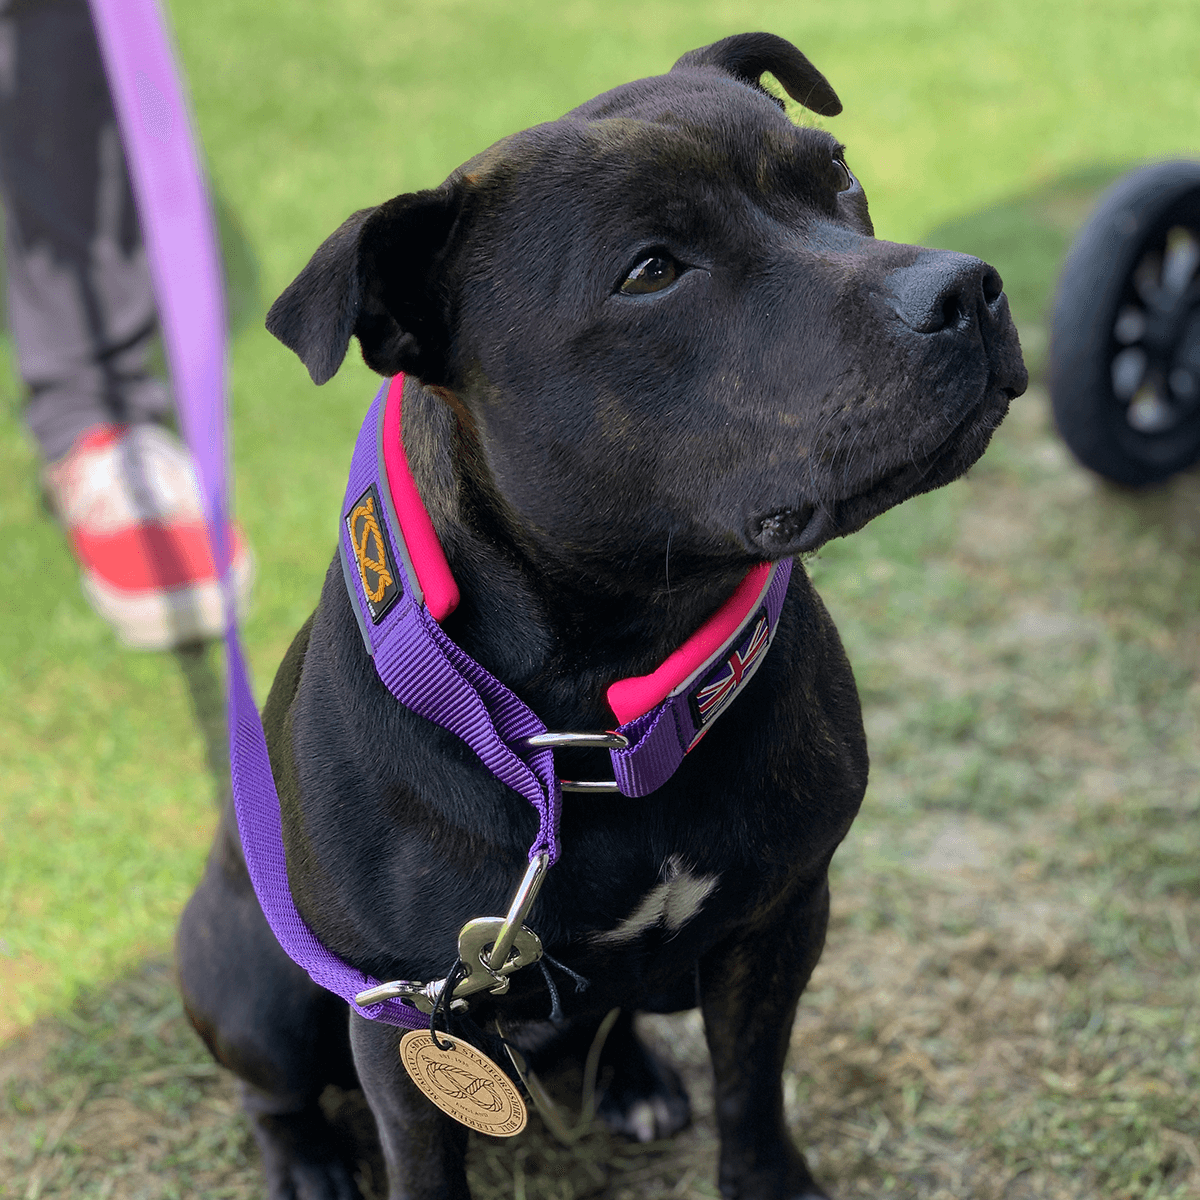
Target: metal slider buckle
580, 741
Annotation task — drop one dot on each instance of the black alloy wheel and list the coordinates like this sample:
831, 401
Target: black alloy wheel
1125, 334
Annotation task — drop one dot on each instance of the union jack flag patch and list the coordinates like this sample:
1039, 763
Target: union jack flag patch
709, 701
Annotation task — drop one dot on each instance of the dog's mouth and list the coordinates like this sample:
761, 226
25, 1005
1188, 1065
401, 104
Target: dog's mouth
801, 528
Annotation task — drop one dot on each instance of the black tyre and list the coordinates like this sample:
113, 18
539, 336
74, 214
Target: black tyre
1125, 335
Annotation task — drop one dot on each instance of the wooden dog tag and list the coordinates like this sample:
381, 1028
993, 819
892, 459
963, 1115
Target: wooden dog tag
464, 1084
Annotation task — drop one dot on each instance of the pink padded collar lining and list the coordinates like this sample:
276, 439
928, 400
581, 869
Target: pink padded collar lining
629, 698
428, 559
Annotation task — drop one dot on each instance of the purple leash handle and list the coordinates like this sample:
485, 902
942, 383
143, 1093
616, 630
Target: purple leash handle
181, 247
178, 232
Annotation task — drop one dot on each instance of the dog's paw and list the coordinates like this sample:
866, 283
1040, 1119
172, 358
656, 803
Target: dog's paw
300, 1159
646, 1120
785, 1178
644, 1098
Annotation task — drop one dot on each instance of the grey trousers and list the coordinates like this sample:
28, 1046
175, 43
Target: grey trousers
80, 304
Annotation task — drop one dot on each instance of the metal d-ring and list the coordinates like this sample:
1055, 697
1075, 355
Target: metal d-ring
606, 740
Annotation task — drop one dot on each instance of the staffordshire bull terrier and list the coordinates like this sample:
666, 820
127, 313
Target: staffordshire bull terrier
648, 350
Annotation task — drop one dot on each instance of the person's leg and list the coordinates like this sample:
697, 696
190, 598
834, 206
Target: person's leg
82, 313
80, 304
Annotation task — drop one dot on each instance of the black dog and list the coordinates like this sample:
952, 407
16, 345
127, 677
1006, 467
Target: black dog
648, 345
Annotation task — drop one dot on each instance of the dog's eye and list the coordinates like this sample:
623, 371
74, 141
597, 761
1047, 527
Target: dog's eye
651, 275
845, 179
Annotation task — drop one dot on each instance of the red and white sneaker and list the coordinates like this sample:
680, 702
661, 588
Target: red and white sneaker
128, 497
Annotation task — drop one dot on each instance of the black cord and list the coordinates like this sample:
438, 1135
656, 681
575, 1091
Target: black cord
581, 984
469, 1030
442, 1004
556, 1012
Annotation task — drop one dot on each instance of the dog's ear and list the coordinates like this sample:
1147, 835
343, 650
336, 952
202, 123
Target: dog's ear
747, 55
375, 278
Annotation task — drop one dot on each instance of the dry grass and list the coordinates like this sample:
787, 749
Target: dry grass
1007, 1007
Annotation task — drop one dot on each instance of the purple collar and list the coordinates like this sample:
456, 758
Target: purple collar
662, 716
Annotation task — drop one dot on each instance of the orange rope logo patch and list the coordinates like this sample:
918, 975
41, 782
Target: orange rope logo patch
362, 535
371, 552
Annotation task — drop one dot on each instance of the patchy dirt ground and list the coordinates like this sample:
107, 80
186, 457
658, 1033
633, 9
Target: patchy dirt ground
1008, 1004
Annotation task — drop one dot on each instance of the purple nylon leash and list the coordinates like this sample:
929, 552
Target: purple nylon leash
178, 232
181, 247
422, 667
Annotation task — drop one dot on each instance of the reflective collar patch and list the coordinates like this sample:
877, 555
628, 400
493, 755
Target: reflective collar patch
373, 554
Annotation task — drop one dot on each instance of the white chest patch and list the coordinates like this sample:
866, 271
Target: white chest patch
671, 903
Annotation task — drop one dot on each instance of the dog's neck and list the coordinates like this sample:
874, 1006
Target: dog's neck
551, 628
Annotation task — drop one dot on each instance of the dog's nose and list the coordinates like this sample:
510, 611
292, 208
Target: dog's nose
943, 290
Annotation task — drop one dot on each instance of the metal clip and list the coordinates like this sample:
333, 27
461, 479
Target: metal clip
422, 995
518, 910
581, 741
491, 949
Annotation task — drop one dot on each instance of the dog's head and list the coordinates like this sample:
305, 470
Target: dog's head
665, 316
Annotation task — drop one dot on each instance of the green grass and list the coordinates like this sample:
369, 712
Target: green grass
1028, 851
1026, 643
1007, 1004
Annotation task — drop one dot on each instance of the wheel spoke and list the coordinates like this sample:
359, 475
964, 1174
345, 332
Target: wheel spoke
1130, 326
1180, 261
1128, 371
1150, 413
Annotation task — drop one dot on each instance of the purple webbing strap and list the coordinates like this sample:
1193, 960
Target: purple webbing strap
430, 674
659, 739
177, 229
181, 247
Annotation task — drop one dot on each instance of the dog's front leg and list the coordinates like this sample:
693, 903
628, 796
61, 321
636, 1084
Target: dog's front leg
749, 989
426, 1150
